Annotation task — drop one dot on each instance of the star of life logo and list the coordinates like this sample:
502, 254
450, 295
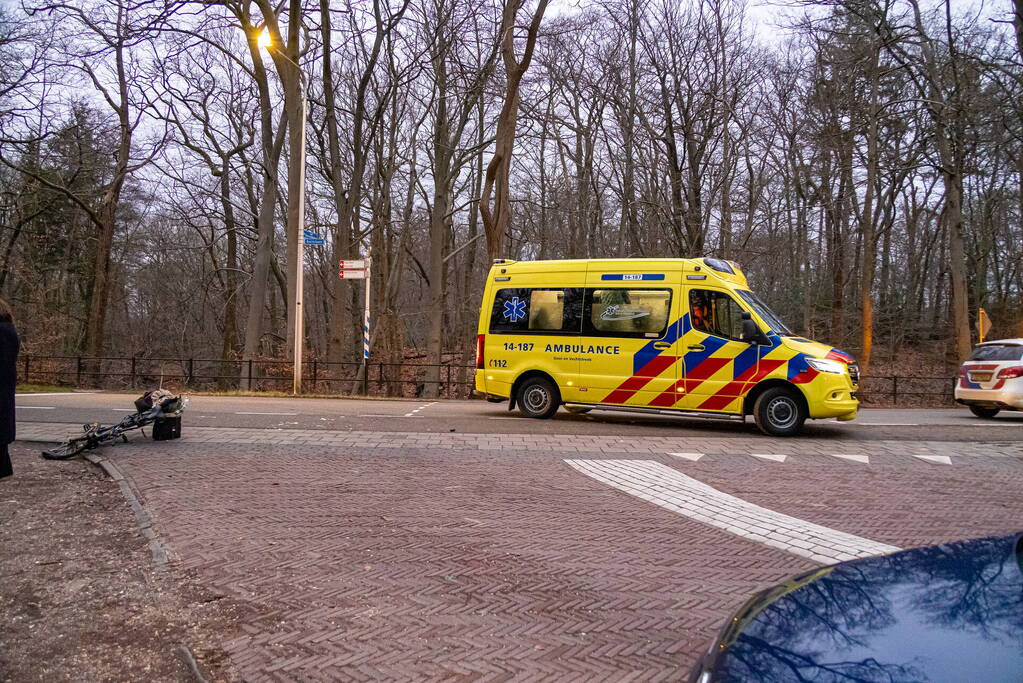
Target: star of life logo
514, 310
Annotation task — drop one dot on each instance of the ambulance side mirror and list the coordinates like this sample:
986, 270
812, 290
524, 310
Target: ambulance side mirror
751, 333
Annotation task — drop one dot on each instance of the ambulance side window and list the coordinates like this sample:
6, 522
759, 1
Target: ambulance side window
623, 312
537, 311
715, 313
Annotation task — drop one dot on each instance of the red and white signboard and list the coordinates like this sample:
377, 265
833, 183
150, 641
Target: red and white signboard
352, 269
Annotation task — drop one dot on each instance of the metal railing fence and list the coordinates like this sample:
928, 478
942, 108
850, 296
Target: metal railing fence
395, 379
383, 379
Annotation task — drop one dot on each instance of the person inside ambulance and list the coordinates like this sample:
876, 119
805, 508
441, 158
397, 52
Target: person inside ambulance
715, 313
700, 311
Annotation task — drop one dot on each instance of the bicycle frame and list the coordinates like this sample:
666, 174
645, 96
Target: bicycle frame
97, 435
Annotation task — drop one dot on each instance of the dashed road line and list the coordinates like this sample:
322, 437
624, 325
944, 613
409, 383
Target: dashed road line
266, 413
862, 459
425, 405
770, 456
688, 456
672, 490
36, 407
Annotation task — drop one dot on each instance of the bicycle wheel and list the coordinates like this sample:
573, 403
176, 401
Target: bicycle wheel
66, 450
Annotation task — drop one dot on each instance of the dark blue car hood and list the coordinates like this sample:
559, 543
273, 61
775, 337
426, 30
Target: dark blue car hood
942, 613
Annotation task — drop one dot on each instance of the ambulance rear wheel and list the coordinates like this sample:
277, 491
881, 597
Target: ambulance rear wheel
779, 412
986, 413
539, 398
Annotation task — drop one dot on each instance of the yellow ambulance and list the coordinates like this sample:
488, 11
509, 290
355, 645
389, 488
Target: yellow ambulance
685, 336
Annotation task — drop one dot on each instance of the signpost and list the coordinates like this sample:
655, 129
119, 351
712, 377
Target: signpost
359, 269
311, 239
353, 269
983, 324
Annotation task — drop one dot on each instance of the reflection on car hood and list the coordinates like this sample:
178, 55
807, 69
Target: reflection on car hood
942, 613
810, 348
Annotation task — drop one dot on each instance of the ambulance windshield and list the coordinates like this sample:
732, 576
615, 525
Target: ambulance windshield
777, 326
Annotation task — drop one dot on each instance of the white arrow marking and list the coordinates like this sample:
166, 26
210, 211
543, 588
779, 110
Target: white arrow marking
770, 456
688, 456
940, 459
855, 458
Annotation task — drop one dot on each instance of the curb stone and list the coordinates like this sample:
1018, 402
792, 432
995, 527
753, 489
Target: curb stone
160, 556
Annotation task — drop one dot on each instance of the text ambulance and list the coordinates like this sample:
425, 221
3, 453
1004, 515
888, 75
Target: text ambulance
679, 335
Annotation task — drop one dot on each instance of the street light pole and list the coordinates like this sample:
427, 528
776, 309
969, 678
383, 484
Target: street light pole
296, 210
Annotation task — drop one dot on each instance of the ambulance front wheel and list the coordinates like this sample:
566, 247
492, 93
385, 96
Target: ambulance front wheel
779, 412
539, 398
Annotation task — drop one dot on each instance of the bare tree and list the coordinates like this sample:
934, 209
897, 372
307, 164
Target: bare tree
105, 45
495, 203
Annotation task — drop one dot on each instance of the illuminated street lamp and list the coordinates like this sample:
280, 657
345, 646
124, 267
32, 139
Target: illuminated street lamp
296, 220
264, 41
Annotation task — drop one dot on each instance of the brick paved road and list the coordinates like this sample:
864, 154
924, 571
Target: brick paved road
423, 556
400, 540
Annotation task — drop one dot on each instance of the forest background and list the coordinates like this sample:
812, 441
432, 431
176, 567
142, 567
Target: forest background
862, 160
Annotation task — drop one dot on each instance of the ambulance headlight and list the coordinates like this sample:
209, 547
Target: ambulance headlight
826, 365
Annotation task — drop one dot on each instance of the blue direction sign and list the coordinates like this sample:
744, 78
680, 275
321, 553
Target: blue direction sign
310, 239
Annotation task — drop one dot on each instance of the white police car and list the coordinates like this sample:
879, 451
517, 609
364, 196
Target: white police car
991, 379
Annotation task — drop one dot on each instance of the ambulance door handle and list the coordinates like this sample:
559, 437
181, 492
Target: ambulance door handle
697, 347
662, 345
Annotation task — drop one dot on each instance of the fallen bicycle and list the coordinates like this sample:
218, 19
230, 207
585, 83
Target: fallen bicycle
158, 408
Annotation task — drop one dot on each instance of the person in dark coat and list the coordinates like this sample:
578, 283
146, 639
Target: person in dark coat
9, 347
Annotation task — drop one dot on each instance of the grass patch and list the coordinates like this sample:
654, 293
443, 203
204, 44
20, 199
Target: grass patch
41, 389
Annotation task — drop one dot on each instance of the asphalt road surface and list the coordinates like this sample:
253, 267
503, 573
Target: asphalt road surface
953, 424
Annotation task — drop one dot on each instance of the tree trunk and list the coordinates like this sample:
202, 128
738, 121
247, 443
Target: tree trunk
339, 322
230, 337
271, 154
947, 117
867, 226
107, 214
495, 204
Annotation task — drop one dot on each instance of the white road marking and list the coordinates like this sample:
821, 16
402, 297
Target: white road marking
688, 456
770, 456
266, 413
378, 415
940, 459
993, 424
36, 407
124, 410
499, 418
863, 459
425, 405
672, 490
